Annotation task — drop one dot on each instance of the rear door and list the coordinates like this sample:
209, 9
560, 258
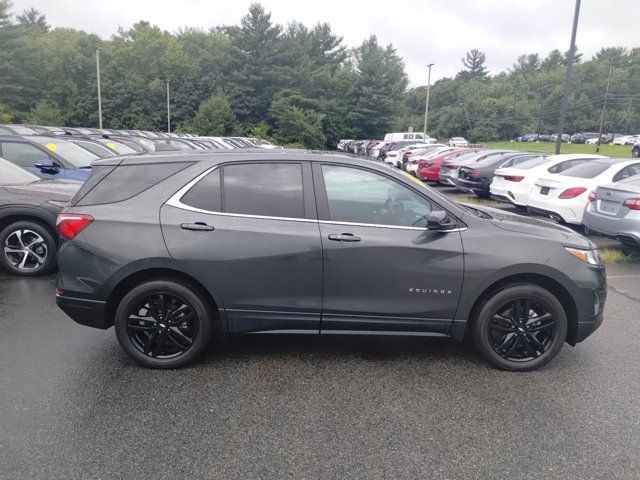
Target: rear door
383, 270
249, 230
26, 155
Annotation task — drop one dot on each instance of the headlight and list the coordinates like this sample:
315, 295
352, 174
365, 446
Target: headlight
58, 204
592, 257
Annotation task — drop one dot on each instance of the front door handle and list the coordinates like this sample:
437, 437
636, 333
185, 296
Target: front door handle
196, 227
344, 237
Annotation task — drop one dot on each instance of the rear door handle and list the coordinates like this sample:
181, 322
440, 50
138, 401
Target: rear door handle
344, 237
196, 227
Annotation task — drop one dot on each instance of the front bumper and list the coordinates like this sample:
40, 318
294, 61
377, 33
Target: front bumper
91, 313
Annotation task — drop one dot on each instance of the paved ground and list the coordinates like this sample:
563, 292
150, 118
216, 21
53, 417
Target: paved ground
72, 405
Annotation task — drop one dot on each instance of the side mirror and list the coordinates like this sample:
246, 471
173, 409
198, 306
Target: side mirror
439, 220
47, 166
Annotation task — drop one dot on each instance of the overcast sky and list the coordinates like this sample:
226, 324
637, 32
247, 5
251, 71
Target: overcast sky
423, 31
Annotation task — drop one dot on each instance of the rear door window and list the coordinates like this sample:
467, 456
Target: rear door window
586, 170
263, 189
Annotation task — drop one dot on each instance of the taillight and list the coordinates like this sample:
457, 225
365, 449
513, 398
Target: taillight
407, 154
572, 192
513, 178
453, 167
632, 203
592, 196
474, 174
70, 224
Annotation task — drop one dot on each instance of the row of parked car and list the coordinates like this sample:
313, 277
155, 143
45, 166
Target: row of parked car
63, 152
42, 167
582, 137
595, 191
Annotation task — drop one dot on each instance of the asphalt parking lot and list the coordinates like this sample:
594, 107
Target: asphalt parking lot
72, 404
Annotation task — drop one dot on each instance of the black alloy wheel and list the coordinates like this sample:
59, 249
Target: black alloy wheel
521, 330
27, 248
520, 327
164, 324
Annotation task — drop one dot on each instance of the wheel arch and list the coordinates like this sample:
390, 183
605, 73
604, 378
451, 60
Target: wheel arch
125, 284
28, 213
548, 283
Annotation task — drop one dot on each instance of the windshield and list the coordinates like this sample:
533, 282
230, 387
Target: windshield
586, 170
120, 148
20, 130
75, 155
11, 174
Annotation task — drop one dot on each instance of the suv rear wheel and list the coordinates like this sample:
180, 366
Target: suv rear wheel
163, 324
28, 248
521, 327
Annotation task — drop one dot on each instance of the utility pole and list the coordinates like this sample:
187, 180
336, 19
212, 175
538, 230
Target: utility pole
99, 93
467, 114
604, 107
426, 108
567, 80
168, 110
540, 117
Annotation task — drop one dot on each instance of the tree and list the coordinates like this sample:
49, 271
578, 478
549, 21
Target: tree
45, 113
5, 12
215, 117
295, 126
378, 86
473, 62
33, 18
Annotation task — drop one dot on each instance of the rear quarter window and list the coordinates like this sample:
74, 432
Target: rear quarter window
124, 182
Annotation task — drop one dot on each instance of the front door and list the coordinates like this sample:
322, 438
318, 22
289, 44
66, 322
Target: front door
256, 246
383, 270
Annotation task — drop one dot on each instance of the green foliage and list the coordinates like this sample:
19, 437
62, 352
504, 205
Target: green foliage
45, 113
215, 117
293, 84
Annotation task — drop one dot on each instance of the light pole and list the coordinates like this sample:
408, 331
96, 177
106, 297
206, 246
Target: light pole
168, 110
99, 93
426, 107
567, 79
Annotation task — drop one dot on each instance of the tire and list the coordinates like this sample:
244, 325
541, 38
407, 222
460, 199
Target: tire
635, 153
27, 248
494, 334
192, 328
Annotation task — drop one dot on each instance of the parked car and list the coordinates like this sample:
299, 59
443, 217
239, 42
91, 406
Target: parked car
529, 137
29, 206
301, 244
477, 177
429, 167
583, 137
564, 196
411, 158
565, 137
545, 138
450, 168
375, 150
16, 130
614, 210
513, 185
47, 157
458, 142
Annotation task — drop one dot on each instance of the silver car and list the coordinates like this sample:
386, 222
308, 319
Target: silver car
614, 210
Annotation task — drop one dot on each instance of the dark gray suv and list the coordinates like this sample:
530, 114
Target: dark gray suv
169, 247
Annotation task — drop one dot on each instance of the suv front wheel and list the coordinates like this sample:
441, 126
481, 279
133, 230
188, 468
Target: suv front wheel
163, 324
520, 328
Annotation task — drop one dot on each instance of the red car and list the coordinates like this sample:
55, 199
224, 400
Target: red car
429, 169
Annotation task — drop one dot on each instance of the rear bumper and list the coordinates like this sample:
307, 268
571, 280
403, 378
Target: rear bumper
566, 215
91, 313
478, 188
622, 229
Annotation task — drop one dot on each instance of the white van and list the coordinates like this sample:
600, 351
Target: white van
399, 136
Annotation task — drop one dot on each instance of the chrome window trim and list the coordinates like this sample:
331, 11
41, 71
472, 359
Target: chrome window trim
175, 201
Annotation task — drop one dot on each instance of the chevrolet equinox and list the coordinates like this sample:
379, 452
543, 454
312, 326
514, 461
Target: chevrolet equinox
168, 247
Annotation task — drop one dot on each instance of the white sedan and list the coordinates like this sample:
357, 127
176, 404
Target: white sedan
513, 184
565, 195
458, 142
